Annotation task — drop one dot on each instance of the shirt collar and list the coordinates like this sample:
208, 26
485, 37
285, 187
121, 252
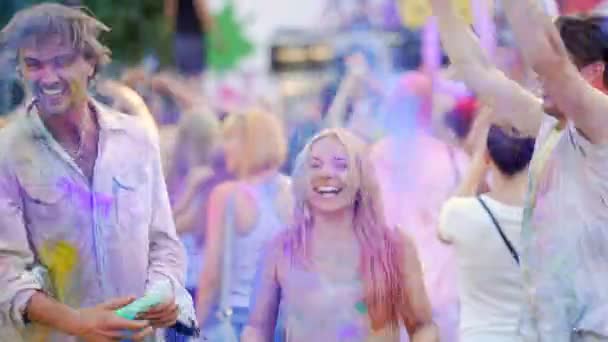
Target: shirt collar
108, 119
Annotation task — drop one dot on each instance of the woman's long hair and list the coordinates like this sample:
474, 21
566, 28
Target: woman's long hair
381, 257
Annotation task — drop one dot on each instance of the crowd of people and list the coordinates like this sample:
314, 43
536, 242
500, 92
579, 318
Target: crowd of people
464, 202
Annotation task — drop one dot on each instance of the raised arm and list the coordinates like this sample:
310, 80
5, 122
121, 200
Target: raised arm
509, 100
356, 71
170, 11
203, 14
546, 53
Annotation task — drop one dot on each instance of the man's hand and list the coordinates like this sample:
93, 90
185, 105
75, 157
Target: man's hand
102, 324
162, 315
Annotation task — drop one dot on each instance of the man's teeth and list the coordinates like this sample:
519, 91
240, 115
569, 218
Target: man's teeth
54, 91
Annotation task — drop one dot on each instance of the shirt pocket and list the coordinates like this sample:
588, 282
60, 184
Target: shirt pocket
43, 201
132, 202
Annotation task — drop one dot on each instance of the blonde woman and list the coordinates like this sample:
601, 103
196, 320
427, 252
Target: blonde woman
243, 215
341, 274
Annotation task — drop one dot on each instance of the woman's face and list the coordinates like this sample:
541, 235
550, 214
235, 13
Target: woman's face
232, 151
330, 188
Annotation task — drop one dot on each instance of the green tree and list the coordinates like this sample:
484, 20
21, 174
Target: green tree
138, 26
228, 41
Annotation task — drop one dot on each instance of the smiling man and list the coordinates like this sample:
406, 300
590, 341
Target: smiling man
85, 221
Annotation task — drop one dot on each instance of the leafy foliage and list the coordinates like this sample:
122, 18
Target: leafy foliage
228, 42
138, 26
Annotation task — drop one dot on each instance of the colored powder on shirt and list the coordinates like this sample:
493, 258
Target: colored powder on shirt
60, 259
83, 195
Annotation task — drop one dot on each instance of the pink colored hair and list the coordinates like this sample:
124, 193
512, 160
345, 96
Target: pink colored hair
381, 259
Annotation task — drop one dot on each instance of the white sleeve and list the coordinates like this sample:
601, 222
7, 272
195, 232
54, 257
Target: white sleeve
450, 218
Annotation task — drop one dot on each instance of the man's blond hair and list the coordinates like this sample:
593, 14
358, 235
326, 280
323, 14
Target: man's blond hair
37, 23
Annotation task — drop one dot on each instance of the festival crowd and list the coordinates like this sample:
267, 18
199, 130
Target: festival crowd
458, 201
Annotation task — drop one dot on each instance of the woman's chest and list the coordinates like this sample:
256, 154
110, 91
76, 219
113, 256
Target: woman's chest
325, 306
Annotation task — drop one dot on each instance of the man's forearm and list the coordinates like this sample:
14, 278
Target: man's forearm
532, 29
46, 311
462, 47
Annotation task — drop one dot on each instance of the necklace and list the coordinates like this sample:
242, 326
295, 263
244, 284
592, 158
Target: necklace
77, 155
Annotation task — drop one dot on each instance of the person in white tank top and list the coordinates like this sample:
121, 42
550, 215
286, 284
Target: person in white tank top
485, 233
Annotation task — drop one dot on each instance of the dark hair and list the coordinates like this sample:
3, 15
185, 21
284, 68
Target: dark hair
460, 119
509, 151
585, 39
38, 22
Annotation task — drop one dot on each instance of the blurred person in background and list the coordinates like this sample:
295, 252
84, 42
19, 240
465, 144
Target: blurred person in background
190, 21
15, 101
485, 231
417, 172
347, 101
340, 273
169, 100
243, 215
125, 100
196, 155
196, 169
172, 102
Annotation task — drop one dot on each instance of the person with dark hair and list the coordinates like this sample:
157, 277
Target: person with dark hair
565, 246
85, 219
485, 232
564, 243
460, 119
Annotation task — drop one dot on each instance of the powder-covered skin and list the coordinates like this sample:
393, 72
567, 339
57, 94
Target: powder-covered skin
319, 307
325, 301
113, 237
564, 259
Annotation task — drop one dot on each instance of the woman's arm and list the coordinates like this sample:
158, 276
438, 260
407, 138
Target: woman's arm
265, 298
172, 85
418, 315
203, 14
211, 276
507, 98
475, 176
170, 10
187, 211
